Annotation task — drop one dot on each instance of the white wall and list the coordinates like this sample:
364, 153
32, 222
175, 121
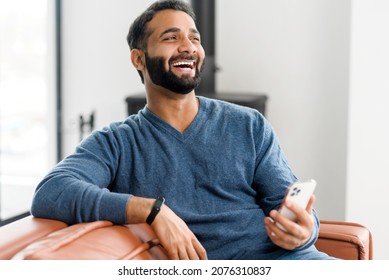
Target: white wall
97, 72
297, 52
368, 149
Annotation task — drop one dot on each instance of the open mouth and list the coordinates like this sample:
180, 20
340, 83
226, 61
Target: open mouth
184, 64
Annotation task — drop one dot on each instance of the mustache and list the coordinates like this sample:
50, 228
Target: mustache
184, 57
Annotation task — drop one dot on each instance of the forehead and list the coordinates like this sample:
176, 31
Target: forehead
166, 19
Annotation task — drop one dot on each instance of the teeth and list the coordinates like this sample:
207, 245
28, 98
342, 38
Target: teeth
183, 63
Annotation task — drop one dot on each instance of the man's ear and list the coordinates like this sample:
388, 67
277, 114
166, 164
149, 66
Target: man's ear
137, 59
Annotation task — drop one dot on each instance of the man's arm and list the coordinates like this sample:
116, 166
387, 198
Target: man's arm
273, 176
76, 189
173, 233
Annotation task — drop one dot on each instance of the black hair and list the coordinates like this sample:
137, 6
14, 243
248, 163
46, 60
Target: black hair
138, 33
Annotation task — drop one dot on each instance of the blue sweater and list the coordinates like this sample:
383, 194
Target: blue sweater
222, 176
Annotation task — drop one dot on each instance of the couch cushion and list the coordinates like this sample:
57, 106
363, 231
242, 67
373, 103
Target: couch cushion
100, 240
17, 235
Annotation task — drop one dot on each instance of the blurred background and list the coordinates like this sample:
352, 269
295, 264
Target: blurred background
322, 64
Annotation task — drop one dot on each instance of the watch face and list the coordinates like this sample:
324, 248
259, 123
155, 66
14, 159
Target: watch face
159, 202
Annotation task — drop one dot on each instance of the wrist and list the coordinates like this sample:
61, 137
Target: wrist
138, 208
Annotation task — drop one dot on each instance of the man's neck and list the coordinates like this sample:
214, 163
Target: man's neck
178, 110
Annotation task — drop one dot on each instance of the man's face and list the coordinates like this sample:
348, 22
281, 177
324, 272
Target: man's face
174, 57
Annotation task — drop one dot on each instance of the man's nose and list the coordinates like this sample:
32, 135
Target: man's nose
186, 45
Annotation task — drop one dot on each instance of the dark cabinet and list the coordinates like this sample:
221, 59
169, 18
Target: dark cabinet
257, 101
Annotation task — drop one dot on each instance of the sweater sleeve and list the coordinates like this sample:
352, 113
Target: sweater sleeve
77, 189
273, 174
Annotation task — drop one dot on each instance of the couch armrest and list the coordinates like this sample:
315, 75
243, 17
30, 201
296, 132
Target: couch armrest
17, 235
345, 240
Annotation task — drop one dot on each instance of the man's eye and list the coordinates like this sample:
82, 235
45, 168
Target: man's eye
196, 39
170, 38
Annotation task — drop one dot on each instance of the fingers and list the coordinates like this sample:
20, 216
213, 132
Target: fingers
293, 234
200, 251
192, 250
304, 216
291, 237
176, 237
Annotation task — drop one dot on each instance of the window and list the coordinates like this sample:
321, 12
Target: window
27, 101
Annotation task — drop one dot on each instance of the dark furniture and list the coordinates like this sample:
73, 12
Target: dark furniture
257, 101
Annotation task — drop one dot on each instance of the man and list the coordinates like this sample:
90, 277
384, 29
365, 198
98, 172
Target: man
218, 166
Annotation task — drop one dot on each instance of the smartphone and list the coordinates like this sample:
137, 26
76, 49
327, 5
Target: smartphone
298, 192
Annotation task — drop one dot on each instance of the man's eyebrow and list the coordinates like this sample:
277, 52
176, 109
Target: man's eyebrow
170, 30
176, 29
194, 30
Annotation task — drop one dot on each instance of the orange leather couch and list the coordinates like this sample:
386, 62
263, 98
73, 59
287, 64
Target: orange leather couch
33, 238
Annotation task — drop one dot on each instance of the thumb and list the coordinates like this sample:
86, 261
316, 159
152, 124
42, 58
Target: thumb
310, 204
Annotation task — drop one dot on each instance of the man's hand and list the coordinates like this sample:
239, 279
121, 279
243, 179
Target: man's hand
297, 233
173, 233
175, 236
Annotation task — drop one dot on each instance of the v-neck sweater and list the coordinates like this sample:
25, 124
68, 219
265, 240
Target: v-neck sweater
222, 176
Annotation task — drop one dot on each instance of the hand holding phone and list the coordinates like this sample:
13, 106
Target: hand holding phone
298, 193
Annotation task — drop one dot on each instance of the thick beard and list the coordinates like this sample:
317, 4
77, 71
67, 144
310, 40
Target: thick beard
167, 79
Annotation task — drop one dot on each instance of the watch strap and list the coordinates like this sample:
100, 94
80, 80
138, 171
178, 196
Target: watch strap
155, 210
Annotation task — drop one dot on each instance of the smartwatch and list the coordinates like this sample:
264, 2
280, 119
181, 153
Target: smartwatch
155, 210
